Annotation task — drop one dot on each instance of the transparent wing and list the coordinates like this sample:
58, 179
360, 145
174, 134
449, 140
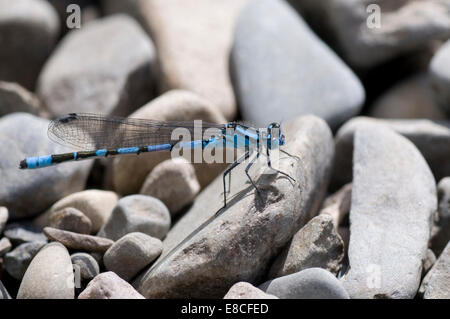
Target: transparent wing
93, 131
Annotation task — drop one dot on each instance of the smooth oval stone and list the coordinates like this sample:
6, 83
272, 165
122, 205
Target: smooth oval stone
393, 202
87, 264
132, 253
108, 285
176, 105
193, 41
210, 247
70, 219
281, 69
88, 74
29, 192
97, 205
174, 183
137, 213
49, 276
440, 77
36, 24
405, 27
15, 98
245, 290
78, 241
311, 283
17, 261
4, 215
317, 244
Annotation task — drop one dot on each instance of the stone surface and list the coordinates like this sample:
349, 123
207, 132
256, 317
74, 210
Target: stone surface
281, 69
108, 285
3, 218
441, 228
137, 213
440, 77
429, 261
132, 253
15, 98
193, 39
78, 241
409, 99
23, 135
3, 292
390, 216
405, 26
24, 232
5, 246
88, 74
29, 30
430, 137
175, 105
338, 205
87, 264
237, 243
70, 219
317, 244
97, 205
244, 290
49, 276
17, 261
312, 283
436, 284
173, 182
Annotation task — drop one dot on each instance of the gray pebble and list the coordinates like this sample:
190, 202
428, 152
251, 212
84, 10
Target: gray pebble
132, 253
17, 261
436, 284
78, 241
70, 219
245, 290
5, 246
3, 218
312, 283
19, 233
15, 98
137, 213
87, 264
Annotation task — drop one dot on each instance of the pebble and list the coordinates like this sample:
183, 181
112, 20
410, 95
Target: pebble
409, 99
70, 219
78, 241
15, 98
36, 24
430, 137
406, 26
241, 240
5, 246
3, 292
245, 290
29, 192
88, 74
137, 213
338, 205
389, 204
193, 40
97, 205
108, 285
24, 232
17, 261
176, 105
436, 284
49, 276
441, 228
311, 283
281, 69
440, 77
173, 182
132, 253
3, 218
87, 264
317, 244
